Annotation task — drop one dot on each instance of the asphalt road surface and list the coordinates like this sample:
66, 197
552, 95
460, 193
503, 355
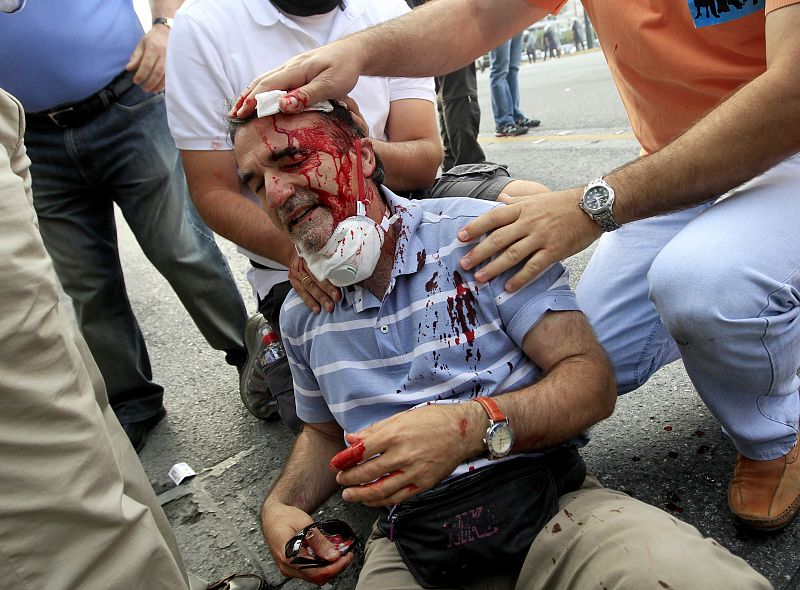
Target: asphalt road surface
662, 445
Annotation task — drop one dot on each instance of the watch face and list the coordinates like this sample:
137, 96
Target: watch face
500, 440
596, 199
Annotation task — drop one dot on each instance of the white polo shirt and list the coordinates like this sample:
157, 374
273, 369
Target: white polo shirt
217, 47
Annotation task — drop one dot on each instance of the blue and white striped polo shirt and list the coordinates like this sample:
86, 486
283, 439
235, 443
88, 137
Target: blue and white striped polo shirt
437, 335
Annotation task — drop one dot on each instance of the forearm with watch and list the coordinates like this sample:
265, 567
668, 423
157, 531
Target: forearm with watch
576, 392
163, 11
546, 414
734, 143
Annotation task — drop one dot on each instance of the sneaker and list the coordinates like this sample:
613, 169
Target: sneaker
510, 130
765, 495
256, 396
525, 122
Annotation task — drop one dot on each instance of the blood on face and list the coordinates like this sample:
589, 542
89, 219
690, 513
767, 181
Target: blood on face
307, 140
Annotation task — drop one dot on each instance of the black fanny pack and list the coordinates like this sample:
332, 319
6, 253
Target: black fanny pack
482, 521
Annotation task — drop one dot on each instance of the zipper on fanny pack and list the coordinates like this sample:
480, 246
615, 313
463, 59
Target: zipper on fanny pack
392, 521
466, 481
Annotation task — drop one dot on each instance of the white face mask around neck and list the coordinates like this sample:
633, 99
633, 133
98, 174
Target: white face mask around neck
352, 252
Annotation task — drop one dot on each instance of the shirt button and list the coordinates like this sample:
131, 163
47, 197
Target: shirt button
384, 329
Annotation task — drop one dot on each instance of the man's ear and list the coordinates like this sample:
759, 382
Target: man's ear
367, 157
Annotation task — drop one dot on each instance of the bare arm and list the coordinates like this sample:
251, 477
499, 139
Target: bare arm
214, 185
304, 484
149, 57
759, 126
410, 46
166, 8
577, 391
421, 447
413, 153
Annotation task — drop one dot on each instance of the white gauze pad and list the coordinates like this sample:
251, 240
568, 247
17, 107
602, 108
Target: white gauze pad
267, 103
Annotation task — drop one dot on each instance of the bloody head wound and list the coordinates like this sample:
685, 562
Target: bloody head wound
343, 132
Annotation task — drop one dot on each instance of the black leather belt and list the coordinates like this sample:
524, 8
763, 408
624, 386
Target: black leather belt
79, 113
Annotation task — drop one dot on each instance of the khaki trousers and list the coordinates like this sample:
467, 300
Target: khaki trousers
599, 539
76, 508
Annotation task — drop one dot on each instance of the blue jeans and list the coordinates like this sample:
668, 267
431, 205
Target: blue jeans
504, 81
126, 156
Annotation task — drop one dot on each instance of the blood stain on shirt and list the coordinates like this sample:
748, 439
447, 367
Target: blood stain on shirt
432, 283
421, 260
462, 311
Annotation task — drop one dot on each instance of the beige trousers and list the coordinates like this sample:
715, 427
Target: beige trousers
76, 508
599, 539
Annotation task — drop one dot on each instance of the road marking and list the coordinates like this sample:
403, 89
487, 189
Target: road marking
561, 136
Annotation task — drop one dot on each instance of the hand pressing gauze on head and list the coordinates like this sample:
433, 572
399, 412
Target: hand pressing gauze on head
267, 104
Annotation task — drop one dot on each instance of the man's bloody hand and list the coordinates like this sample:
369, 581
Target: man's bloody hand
320, 74
408, 453
280, 523
348, 458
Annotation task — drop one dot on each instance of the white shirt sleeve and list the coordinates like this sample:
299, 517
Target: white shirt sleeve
400, 88
198, 94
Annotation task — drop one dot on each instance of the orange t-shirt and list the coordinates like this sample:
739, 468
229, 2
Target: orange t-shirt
669, 73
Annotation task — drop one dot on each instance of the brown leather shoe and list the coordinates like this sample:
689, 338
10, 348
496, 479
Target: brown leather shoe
765, 495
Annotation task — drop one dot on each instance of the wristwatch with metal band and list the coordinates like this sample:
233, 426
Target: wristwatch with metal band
499, 436
598, 203
163, 20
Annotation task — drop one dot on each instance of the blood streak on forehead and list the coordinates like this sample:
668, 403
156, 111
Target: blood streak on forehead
322, 136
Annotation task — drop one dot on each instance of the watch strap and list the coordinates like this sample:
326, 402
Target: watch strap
163, 20
606, 220
492, 409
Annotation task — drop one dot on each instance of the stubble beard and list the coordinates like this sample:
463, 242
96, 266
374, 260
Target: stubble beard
312, 235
